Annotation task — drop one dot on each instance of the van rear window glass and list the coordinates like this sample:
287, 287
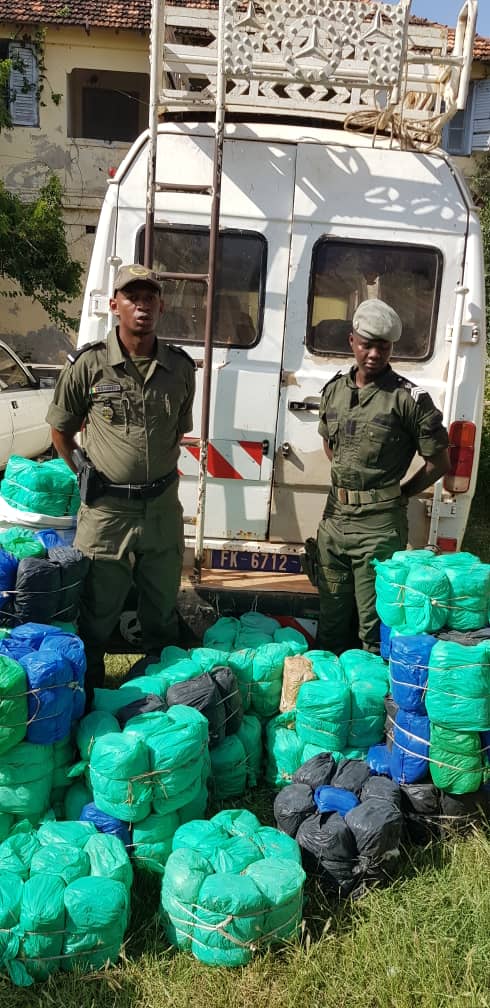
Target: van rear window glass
346, 273
240, 284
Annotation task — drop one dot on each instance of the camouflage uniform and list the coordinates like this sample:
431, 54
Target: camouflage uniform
373, 433
132, 420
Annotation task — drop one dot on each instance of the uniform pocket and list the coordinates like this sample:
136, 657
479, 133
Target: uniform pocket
378, 442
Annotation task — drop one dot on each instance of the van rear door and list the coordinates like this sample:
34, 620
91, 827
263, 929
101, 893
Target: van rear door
367, 222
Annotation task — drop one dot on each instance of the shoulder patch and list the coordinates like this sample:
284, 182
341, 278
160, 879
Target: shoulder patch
338, 374
414, 391
179, 350
73, 355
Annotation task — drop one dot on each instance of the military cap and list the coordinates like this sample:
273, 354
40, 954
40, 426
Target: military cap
135, 273
375, 320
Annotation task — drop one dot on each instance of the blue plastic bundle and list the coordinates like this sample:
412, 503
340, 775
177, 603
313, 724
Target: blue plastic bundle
379, 760
105, 823
410, 753
334, 799
50, 699
33, 634
49, 538
409, 670
8, 570
70, 648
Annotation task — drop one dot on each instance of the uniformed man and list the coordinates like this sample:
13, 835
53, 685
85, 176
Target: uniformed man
372, 421
131, 399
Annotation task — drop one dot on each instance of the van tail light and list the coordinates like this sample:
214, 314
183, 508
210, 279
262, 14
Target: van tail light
445, 545
462, 434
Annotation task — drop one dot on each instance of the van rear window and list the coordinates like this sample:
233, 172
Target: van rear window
240, 284
345, 273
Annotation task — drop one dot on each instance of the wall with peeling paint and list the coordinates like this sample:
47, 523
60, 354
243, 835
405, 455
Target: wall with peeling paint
28, 154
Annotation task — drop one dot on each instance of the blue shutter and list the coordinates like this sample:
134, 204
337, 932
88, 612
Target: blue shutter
23, 100
481, 118
457, 135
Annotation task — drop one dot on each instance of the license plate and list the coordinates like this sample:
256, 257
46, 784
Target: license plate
268, 563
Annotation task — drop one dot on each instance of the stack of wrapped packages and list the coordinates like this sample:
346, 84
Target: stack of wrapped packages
64, 899
43, 488
347, 821
436, 613
231, 886
40, 578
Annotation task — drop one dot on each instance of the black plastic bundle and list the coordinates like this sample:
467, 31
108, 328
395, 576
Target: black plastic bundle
329, 852
422, 811
351, 775
316, 772
377, 828
391, 709
203, 694
382, 788
37, 591
73, 568
229, 690
292, 806
145, 705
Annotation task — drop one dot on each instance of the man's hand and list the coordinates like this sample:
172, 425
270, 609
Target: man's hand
431, 471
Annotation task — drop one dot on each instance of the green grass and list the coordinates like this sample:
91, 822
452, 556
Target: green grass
423, 942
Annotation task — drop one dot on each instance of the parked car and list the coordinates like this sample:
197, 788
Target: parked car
25, 394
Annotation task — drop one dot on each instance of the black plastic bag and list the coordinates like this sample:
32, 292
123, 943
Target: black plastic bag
391, 709
383, 789
37, 590
73, 567
231, 697
202, 693
316, 772
145, 705
422, 811
292, 806
328, 850
351, 775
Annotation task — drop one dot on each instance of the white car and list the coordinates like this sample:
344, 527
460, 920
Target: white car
25, 394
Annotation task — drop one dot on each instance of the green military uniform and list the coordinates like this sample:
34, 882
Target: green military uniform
373, 433
132, 414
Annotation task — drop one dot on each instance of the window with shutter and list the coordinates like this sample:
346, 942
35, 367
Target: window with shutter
457, 135
481, 117
23, 81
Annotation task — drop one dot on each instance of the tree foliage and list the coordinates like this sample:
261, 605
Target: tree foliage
33, 250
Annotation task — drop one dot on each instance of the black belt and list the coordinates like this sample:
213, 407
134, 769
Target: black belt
141, 491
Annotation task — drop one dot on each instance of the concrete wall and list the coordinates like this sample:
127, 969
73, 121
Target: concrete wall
28, 154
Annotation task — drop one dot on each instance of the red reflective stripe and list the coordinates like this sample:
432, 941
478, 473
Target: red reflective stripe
193, 450
254, 449
219, 466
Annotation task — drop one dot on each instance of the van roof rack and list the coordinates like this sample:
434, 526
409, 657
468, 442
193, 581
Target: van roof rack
361, 63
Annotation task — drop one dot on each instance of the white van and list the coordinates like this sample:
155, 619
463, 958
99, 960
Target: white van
313, 220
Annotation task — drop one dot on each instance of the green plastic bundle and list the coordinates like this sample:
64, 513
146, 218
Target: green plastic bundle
366, 726
222, 898
97, 912
266, 686
21, 543
152, 841
26, 776
41, 925
17, 851
241, 663
67, 861
120, 776
48, 488
250, 735
13, 703
11, 889
229, 768
455, 760
222, 634
177, 745
205, 659
255, 629
108, 858
427, 598
77, 795
323, 714
288, 635
326, 665
51, 833
364, 666
391, 576
94, 726
283, 749
458, 688
470, 590
6, 823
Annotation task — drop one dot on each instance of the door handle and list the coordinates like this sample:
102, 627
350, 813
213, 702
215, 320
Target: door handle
285, 449
303, 407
